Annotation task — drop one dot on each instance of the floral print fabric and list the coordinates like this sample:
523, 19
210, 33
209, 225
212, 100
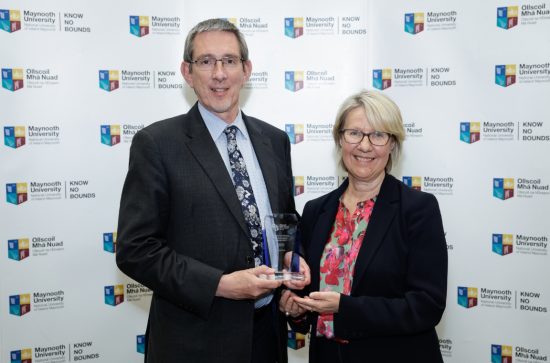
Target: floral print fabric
244, 193
339, 256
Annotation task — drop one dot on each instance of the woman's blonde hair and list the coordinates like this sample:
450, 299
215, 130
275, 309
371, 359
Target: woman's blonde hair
382, 114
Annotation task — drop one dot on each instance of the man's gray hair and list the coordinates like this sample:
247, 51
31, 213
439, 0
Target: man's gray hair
214, 25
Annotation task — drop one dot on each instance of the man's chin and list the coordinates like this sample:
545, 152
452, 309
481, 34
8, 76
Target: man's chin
221, 107
223, 111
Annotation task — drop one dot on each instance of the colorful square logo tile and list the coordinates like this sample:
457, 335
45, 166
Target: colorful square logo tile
470, 132
295, 133
503, 188
467, 296
14, 136
140, 344
414, 23
503, 244
295, 340
381, 78
139, 25
109, 242
298, 185
507, 17
18, 249
16, 193
294, 80
21, 356
505, 74
414, 182
114, 295
12, 79
110, 134
20, 304
10, 20
294, 27
108, 80
501, 353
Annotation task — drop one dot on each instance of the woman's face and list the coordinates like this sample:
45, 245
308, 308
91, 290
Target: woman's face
364, 161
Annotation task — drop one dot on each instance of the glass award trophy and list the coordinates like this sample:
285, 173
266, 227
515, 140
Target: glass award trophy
281, 237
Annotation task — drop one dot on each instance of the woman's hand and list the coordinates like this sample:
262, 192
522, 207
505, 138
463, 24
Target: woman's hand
319, 301
304, 268
288, 306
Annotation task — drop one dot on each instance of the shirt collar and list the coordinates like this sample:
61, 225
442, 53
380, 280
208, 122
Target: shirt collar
216, 125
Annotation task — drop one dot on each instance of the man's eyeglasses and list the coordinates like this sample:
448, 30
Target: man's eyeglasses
376, 138
208, 63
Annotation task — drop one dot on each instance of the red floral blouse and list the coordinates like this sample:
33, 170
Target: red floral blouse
339, 257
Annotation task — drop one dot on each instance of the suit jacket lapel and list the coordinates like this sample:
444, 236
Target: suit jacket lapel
205, 151
265, 155
385, 209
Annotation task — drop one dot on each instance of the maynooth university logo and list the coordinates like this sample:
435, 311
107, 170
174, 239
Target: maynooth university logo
10, 20
21, 356
298, 185
12, 79
381, 78
109, 242
140, 343
114, 295
16, 193
18, 249
294, 80
505, 74
470, 132
14, 136
295, 340
139, 25
110, 134
507, 17
414, 23
501, 353
294, 27
503, 188
20, 304
295, 133
108, 80
414, 182
467, 296
503, 244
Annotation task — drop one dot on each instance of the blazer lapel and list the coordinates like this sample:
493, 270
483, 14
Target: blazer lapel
204, 149
385, 209
265, 155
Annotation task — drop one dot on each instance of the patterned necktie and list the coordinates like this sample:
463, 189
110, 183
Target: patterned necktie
245, 193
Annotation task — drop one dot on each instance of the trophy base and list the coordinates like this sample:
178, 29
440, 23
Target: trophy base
284, 276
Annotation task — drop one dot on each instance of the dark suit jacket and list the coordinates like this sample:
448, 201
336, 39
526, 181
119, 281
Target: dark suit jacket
181, 227
400, 282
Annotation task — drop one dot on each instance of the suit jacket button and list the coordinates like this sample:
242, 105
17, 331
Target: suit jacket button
249, 260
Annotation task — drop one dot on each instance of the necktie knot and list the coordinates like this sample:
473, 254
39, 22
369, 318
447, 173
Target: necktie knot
231, 132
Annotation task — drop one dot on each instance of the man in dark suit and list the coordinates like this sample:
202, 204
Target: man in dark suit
197, 188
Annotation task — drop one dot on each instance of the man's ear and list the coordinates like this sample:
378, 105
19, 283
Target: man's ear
247, 65
185, 69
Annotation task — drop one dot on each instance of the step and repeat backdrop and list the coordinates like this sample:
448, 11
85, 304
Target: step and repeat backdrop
79, 79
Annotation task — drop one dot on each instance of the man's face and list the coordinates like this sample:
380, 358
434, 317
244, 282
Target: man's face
217, 89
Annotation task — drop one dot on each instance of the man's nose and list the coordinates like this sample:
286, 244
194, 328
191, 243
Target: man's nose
218, 72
